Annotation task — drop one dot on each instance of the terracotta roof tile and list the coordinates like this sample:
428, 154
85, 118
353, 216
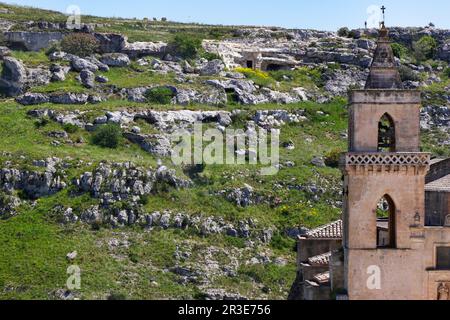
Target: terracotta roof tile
440, 185
330, 231
320, 260
322, 278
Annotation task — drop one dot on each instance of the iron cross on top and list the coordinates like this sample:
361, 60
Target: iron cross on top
383, 9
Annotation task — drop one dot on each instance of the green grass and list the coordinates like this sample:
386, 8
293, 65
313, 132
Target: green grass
32, 59
129, 78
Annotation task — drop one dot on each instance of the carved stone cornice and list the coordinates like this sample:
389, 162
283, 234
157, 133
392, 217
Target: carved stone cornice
374, 163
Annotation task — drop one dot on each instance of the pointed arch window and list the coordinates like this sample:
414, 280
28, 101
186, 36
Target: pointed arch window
386, 134
386, 229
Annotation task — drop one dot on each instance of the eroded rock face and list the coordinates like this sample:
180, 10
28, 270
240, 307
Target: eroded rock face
34, 184
124, 181
33, 41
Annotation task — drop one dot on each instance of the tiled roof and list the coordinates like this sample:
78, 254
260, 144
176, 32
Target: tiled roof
322, 278
320, 260
440, 185
330, 231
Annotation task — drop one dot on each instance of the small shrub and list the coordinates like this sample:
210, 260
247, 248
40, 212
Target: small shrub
332, 158
408, 74
160, 95
186, 46
80, 44
55, 47
41, 122
343, 32
210, 56
282, 242
70, 128
107, 136
235, 242
400, 51
260, 78
425, 48
447, 72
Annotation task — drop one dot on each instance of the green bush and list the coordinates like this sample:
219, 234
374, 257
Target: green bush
259, 77
107, 136
343, 32
400, 51
54, 47
40, 123
407, 74
332, 158
186, 46
70, 128
425, 48
210, 56
80, 44
447, 72
160, 95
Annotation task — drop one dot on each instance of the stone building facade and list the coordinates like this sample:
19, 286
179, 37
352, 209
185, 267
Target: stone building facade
395, 221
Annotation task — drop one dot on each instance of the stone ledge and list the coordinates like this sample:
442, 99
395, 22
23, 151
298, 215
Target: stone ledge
385, 96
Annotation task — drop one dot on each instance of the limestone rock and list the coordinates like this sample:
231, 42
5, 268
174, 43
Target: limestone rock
80, 64
32, 99
211, 68
115, 59
87, 78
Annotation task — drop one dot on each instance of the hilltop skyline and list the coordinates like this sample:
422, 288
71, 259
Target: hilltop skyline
326, 15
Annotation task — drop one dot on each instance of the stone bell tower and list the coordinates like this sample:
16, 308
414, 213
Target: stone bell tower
384, 170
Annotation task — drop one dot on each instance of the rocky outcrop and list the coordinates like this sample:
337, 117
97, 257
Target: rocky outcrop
115, 59
34, 184
32, 41
141, 49
111, 42
33, 99
435, 117
155, 144
269, 119
211, 68
58, 98
167, 121
69, 98
16, 78
125, 181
